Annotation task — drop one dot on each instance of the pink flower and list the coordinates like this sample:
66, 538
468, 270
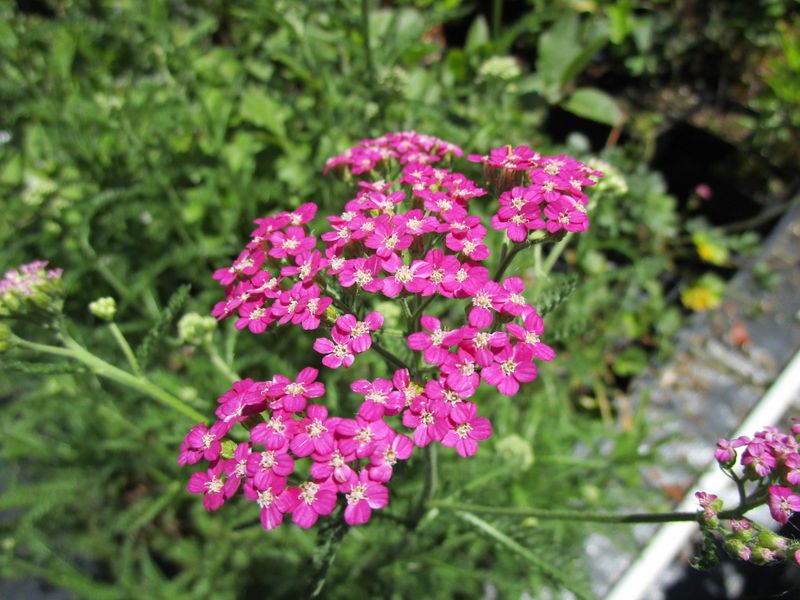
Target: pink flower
338, 352
758, 458
411, 278
363, 496
295, 394
277, 463
268, 494
302, 214
248, 263
359, 436
255, 316
246, 398
203, 442
291, 242
331, 466
466, 430
448, 400
276, 432
529, 335
386, 454
403, 384
726, 450
310, 501
487, 298
512, 367
362, 273
388, 240
442, 278
792, 463
428, 419
211, 485
435, 344
315, 432
471, 245
359, 331
380, 398
566, 214
236, 468
460, 370
783, 503
416, 223
515, 303
306, 266
482, 345
518, 223
521, 158
470, 278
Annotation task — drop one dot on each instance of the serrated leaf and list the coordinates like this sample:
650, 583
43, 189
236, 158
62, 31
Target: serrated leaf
594, 104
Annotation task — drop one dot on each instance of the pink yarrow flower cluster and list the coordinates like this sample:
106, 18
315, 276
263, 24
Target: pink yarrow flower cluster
538, 192
410, 238
770, 461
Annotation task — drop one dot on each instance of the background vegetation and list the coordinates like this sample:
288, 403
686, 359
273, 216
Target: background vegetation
138, 140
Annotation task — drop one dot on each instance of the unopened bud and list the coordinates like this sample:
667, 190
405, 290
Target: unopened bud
195, 329
104, 308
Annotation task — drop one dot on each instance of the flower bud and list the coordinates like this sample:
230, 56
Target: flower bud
195, 329
771, 540
737, 549
512, 448
104, 308
763, 556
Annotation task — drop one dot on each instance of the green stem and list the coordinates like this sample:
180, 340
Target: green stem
593, 517
126, 348
367, 44
497, 19
507, 258
550, 262
100, 367
220, 363
397, 362
418, 313
566, 515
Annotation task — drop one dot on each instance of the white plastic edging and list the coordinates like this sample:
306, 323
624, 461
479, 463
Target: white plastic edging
672, 537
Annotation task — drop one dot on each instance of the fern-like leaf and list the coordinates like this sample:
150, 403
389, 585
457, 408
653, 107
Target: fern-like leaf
156, 333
